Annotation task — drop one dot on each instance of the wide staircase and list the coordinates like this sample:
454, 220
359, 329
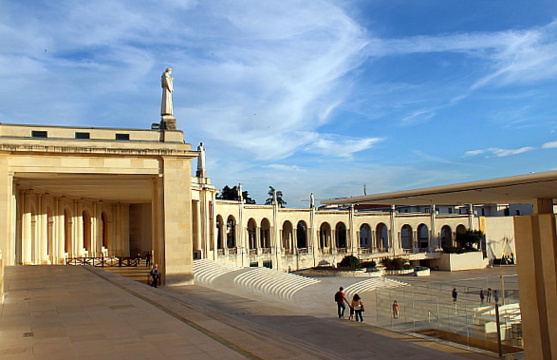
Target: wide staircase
263, 281
139, 273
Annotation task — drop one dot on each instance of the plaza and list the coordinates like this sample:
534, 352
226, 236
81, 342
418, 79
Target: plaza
75, 312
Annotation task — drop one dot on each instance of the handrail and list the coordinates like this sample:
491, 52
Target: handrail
102, 261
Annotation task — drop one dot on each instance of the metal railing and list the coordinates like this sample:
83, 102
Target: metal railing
102, 261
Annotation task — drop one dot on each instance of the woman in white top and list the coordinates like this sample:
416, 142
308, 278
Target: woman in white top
358, 307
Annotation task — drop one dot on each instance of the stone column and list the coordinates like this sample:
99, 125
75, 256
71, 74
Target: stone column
536, 245
177, 227
26, 236
433, 240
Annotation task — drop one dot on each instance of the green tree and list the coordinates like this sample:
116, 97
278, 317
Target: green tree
350, 262
231, 193
470, 239
271, 199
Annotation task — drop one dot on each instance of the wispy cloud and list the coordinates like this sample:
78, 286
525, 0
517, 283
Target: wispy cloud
495, 152
339, 146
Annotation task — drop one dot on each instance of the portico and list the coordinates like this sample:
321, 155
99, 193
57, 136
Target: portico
535, 236
71, 192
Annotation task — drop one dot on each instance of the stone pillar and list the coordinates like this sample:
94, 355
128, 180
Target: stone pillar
536, 246
395, 243
433, 240
7, 209
42, 230
26, 235
177, 227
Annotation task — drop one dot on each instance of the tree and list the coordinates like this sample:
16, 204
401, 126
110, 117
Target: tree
271, 199
350, 261
231, 193
470, 239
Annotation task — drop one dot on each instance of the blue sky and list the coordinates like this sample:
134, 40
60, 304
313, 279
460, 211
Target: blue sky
307, 96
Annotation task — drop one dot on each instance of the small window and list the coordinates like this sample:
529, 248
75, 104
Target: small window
82, 135
122, 136
39, 134
450, 210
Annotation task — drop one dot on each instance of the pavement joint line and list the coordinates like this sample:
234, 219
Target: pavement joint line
179, 317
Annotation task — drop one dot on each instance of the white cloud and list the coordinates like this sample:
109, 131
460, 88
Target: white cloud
339, 146
495, 152
550, 145
285, 168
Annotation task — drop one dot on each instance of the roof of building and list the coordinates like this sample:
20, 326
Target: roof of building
514, 189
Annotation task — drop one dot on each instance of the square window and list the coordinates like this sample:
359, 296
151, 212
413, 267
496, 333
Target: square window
39, 134
122, 136
82, 135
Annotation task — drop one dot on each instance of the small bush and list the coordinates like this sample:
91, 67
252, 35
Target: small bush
350, 262
449, 249
369, 264
394, 264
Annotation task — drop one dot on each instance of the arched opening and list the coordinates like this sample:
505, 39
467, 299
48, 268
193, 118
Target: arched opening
325, 236
86, 231
252, 238
287, 232
460, 229
365, 236
340, 235
406, 237
423, 236
68, 233
301, 235
231, 232
446, 236
220, 238
104, 231
382, 237
265, 234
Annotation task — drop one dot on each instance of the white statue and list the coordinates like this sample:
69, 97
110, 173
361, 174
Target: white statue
201, 161
167, 89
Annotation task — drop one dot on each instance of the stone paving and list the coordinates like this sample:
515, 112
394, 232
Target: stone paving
66, 312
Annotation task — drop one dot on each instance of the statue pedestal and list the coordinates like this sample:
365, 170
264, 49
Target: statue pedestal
168, 122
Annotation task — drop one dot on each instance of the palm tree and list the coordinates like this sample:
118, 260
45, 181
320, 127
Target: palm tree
275, 194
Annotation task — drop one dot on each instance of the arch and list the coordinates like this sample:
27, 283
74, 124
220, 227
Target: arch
406, 237
252, 231
340, 236
302, 235
220, 232
460, 229
231, 232
446, 236
325, 235
382, 237
86, 217
68, 232
105, 238
265, 234
423, 236
365, 236
287, 232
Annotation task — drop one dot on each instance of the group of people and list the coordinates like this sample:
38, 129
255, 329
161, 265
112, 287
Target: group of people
154, 277
356, 306
488, 295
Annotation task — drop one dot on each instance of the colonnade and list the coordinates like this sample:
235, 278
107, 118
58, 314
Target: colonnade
51, 228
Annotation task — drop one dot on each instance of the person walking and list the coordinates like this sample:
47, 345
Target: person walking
358, 306
482, 296
341, 300
496, 296
155, 276
396, 310
489, 291
148, 259
454, 295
